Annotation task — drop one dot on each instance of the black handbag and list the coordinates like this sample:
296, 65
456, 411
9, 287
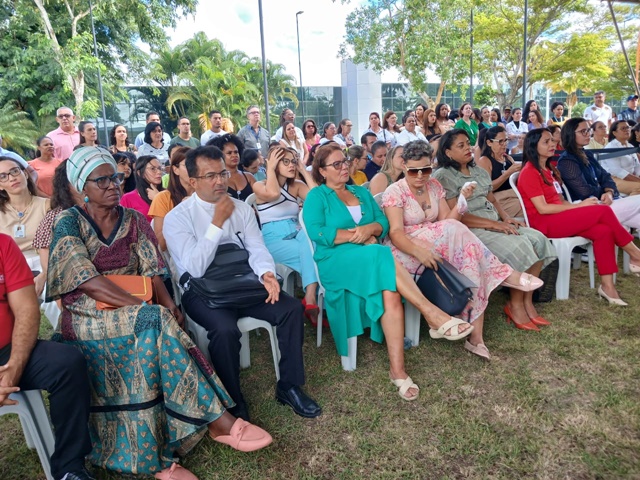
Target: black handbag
446, 288
229, 281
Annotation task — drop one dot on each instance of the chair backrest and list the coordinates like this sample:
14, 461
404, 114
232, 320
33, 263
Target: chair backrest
513, 181
251, 200
378, 198
365, 185
567, 195
311, 244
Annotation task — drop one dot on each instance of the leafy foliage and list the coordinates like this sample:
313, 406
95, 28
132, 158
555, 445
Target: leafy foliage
16, 130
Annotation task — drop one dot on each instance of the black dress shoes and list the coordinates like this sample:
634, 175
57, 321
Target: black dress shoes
79, 475
299, 401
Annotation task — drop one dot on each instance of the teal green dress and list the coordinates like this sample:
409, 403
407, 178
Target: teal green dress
354, 276
471, 129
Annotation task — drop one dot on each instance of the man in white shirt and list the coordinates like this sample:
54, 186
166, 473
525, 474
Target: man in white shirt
193, 231
215, 117
152, 117
598, 111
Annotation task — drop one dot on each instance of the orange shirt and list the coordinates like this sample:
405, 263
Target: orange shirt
45, 174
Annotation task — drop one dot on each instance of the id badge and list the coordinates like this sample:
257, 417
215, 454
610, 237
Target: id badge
258, 145
557, 187
19, 231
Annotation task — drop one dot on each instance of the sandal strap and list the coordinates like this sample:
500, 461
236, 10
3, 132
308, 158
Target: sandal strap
450, 325
406, 384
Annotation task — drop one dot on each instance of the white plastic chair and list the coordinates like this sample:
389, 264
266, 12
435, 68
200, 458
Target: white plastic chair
35, 425
245, 324
288, 274
564, 249
366, 185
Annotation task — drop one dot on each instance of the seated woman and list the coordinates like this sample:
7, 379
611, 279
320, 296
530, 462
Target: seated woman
423, 229
45, 165
119, 140
442, 117
535, 120
625, 169
148, 173
584, 176
154, 144
599, 138
390, 172
277, 205
240, 183
500, 166
466, 123
485, 114
496, 118
329, 135
430, 126
290, 140
153, 394
252, 162
126, 161
357, 157
88, 135
363, 282
550, 213
21, 211
522, 248
410, 132
179, 188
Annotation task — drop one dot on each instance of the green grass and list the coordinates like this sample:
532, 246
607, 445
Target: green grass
559, 404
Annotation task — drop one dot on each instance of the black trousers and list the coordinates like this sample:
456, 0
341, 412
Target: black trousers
62, 371
224, 337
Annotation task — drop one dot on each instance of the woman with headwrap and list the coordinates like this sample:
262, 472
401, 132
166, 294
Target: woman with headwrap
153, 394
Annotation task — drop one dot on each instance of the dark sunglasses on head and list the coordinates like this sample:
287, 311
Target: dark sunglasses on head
413, 172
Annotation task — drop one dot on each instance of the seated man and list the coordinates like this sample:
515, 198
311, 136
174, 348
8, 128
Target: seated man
193, 231
27, 363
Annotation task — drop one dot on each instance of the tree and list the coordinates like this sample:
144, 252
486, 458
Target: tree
65, 25
412, 36
581, 62
16, 129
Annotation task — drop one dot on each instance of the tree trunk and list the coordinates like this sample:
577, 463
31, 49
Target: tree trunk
77, 87
440, 91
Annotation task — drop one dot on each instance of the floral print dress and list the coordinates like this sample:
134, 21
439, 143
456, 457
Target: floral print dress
450, 239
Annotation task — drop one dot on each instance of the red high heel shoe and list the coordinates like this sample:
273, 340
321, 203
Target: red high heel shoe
539, 321
311, 313
520, 326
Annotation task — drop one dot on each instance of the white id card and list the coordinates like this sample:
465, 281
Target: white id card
557, 187
19, 231
258, 145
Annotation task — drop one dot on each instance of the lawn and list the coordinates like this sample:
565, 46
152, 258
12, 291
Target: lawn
559, 404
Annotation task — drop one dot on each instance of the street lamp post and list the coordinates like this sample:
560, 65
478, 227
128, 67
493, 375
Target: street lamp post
95, 52
524, 56
300, 63
264, 68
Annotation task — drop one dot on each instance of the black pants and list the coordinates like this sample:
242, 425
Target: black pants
62, 371
224, 337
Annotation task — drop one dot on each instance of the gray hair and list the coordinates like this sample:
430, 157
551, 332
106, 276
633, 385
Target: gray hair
252, 106
416, 150
63, 107
599, 92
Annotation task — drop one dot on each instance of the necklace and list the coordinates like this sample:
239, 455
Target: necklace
424, 204
21, 214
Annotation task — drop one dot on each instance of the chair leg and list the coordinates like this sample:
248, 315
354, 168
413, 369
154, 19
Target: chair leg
275, 350
626, 260
245, 353
320, 320
592, 260
412, 324
564, 273
349, 362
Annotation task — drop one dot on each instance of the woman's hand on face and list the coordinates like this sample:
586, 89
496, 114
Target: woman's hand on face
361, 234
503, 227
152, 192
428, 258
301, 167
274, 157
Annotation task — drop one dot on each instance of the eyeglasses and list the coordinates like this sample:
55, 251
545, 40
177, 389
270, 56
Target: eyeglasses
500, 142
584, 132
256, 112
14, 172
288, 161
223, 176
339, 165
623, 129
104, 182
65, 115
153, 169
413, 172
345, 125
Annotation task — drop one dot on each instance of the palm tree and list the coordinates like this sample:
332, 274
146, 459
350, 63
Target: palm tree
16, 129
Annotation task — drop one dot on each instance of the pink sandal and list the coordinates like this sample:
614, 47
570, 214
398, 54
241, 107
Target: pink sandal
175, 472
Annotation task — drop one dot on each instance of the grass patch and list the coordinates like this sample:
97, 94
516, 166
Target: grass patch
558, 404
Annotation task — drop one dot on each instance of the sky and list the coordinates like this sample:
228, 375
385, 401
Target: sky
236, 24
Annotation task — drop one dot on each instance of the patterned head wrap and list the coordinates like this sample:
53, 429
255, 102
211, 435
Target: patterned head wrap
85, 160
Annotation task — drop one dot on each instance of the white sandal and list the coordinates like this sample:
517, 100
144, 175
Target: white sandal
453, 325
404, 386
